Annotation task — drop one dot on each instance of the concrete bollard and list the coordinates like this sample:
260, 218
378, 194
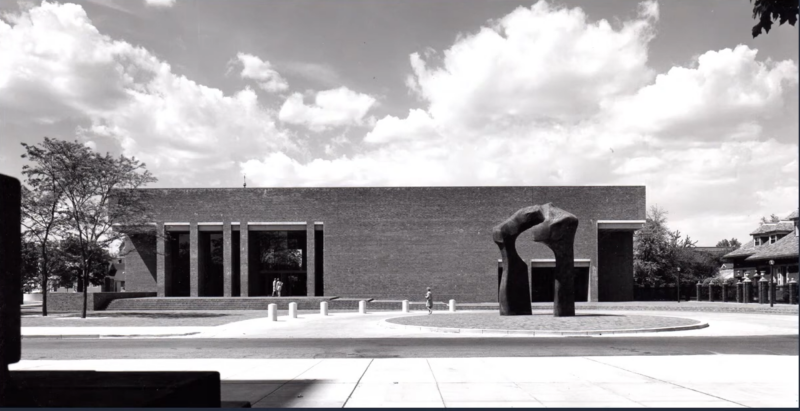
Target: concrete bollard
452, 306
792, 292
747, 290
272, 312
724, 292
362, 307
699, 288
293, 310
739, 292
405, 306
323, 308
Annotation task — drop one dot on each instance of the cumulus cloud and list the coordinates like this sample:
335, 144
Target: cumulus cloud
187, 133
262, 72
728, 89
331, 108
543, 96
160, 3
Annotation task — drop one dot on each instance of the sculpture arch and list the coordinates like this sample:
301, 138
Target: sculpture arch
556, 229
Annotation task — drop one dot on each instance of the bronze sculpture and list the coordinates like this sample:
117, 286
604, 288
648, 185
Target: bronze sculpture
555, 228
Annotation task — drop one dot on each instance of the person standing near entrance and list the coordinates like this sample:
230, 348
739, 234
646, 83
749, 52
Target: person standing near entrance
274, 286
278, 286
429, 301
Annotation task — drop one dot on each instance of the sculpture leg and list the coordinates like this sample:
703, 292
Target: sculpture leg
564, 296
514, 298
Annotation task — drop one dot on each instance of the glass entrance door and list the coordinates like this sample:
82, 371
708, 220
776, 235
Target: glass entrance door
278, 255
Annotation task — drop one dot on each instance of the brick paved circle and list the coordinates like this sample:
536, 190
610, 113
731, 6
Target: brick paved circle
543, 321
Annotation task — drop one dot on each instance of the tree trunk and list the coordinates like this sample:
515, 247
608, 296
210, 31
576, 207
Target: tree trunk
44, 281
85, 276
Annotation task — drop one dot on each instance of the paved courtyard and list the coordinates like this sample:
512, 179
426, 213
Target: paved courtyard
666, 381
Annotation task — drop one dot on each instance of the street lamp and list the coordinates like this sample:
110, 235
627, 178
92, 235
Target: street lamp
771, 281
678, 283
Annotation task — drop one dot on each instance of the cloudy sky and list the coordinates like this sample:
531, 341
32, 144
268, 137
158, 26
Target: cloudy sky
673, 95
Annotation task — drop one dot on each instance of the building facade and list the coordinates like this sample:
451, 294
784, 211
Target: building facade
773, 250
382, 243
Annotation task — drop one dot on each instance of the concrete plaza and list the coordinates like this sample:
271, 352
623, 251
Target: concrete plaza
733, 380
372, 325
651, 381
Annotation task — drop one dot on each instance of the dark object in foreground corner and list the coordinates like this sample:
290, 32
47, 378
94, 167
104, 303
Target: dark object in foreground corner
195, 389
10, 286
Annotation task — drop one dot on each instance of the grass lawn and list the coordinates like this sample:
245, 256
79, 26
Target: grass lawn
32, 317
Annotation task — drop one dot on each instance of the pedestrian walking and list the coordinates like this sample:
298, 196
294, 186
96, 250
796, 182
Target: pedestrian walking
429, 301
279, 286
274, 286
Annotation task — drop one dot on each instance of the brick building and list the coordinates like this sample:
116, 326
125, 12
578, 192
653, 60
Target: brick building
382, 243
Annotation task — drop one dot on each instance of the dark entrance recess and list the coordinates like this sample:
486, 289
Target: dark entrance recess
614, 265
177, 261
277, 254
543, 284
236, 283
210, 271
319, 287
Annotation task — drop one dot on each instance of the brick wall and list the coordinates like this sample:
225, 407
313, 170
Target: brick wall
140, 263
391, 243
73, 302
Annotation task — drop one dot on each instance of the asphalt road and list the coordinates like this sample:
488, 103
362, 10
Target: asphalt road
59, 349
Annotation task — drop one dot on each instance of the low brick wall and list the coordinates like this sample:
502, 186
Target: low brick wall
73, 302
218, 303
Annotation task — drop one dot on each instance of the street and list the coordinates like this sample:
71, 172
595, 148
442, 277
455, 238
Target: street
127, 348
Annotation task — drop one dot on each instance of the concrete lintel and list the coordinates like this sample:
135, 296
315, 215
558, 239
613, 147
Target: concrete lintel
620, 225
290, 226
303, 223
550, 262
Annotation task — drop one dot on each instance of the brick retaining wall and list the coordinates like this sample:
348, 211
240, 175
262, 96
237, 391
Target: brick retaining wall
73, 302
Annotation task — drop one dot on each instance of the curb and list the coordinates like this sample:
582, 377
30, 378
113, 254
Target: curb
531, 333
99, 336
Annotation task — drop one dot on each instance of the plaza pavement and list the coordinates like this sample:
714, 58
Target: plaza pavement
607, 381
651, 381
372, 325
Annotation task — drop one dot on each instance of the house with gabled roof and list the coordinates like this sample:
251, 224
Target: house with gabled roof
774, 247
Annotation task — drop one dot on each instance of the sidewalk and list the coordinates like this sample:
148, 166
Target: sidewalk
673, 381
371, 325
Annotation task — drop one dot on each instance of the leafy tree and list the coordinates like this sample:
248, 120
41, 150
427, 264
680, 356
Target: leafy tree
41, 214
659, 252
651, 259
771, 220
31, 279
770, 11
68, 273
97, 191
732, 243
